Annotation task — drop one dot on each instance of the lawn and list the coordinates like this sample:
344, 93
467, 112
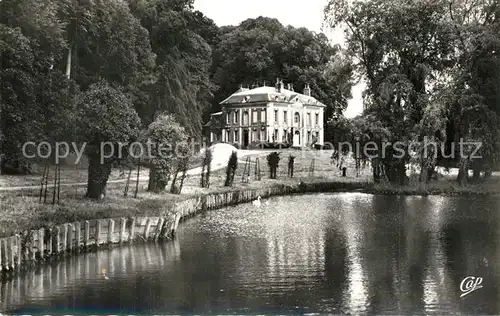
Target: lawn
21, 210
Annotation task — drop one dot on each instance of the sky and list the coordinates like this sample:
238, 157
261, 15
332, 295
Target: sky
297, 13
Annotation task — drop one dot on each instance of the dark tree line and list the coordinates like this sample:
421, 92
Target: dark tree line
432, 70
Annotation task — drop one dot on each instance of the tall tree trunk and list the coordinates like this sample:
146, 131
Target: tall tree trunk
98, 175
476, 168
463, 171
173, 187
487, 174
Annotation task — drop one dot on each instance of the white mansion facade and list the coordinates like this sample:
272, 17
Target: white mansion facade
269, 114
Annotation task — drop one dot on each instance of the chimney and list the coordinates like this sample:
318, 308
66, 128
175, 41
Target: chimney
278, 85
282, 85
307, 90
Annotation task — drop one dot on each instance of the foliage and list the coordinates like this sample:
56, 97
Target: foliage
106, 122
178, 36
232, 165
34, 104
162, 136
291, 160
206, 168
273, 160
183, 155
416, 58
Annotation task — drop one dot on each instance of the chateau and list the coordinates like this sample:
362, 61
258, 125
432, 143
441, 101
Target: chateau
269, 115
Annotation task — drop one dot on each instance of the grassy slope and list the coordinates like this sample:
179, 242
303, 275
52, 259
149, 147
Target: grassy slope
21, 210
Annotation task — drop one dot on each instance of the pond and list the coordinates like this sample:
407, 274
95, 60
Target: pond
305, 254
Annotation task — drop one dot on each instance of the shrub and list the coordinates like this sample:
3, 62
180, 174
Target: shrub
273, 160
232, 165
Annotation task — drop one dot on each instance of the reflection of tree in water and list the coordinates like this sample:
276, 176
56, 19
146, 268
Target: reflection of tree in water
472, 248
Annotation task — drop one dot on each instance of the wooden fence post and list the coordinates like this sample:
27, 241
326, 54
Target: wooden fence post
98, 233
29, 246
132, 230
159, 228
111, 229
69, 241
49, 242
19, 247
146, 231
57, 240
78, 235
41, 237
64, 239
123, 225
86, 234
12, 245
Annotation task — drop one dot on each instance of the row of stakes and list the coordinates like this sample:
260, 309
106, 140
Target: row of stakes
44, 184
257, 171
43, 195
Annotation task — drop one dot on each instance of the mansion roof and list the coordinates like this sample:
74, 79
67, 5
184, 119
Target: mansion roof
269, 94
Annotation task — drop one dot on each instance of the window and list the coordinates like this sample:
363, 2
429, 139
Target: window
309, 119
227, 117
275, 136
255, 135
236, 136
236, 114
317, 118
285, 135
275, 116
254, 116
285, 117
297, 118
227, 137
263, 115
245, 118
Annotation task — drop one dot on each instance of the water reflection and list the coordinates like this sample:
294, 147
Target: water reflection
329, 253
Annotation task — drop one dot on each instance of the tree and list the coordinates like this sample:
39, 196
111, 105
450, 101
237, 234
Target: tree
105, 41
164, 134
33, 91
206, 168
232, 165
178, 37
273, 160
107, 123
404, 50
183, 154
261, 50
473, 97
41, 42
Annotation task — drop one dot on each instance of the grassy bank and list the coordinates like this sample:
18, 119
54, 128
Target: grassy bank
21, 210
445, 186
